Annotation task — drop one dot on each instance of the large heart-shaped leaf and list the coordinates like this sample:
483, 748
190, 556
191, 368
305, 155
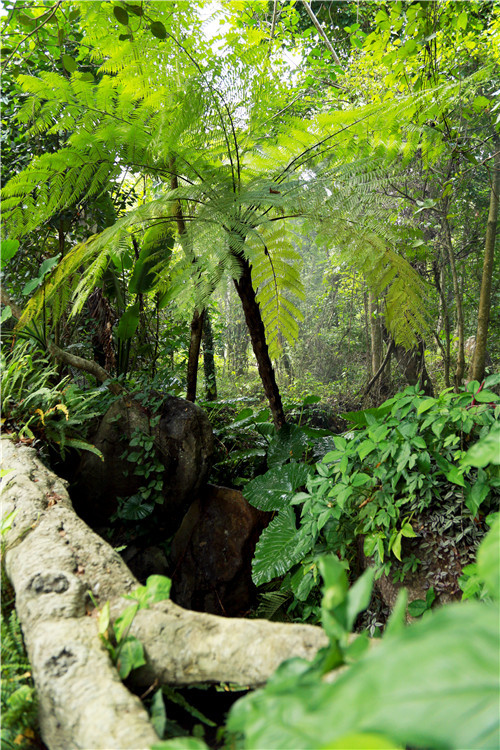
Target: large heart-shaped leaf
274, 490
289, 443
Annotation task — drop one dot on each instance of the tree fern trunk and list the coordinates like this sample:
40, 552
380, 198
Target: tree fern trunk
255, 325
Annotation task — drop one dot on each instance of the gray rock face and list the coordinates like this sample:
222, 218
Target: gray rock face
183, 442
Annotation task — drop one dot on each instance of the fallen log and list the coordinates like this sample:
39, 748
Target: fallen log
53, 560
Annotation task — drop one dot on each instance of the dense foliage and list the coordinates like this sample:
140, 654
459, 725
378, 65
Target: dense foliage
304, 198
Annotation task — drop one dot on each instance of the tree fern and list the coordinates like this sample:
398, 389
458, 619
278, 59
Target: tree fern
240, 186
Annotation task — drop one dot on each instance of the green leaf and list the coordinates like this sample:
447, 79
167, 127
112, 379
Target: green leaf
82, 445
396, 545
407, 530
158, 30
424, 462
121, 15
158, 714
103, 620
425, 405
289, 443
476, 494
488, 560
462, 20
335, 583
364, 448
485, 397
397, 619
359, 479
455, 475
492, 380
359, 595
176, 697
430, 596
417, 607
135, 9
143, 278
134, 509
128, 322
312, 399
45, 268
181, 743
9, 249
158, 588
275, 489
280, 546
361, 417
431, 685
131, 656
6, 314
69, 63
485, 451
362, 741
124, 621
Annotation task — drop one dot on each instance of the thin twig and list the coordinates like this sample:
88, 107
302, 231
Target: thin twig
37, 28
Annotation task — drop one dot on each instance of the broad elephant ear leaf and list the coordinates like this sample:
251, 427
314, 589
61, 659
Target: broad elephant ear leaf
289, 443
280, 546
275, 489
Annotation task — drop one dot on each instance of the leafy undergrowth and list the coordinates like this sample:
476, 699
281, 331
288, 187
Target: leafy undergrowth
399, 480
20, 729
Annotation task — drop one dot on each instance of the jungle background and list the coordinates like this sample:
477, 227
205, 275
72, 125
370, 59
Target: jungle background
285, 213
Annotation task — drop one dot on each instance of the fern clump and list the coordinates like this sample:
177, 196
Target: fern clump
18, 701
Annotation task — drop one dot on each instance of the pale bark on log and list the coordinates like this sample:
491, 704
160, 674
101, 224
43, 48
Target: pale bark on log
53, 559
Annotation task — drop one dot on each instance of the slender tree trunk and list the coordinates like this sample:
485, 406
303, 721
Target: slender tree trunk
377, 346
194, 354
367, 333
208, 359
375, 334
460, 368
483, 317
255, 325
439, 278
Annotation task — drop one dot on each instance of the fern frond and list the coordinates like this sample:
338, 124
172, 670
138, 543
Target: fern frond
276, 278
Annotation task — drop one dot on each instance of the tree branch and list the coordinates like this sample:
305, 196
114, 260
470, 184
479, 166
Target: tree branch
320, 31
72, 360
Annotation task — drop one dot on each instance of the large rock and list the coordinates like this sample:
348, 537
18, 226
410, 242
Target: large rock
183, 441
212, 553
